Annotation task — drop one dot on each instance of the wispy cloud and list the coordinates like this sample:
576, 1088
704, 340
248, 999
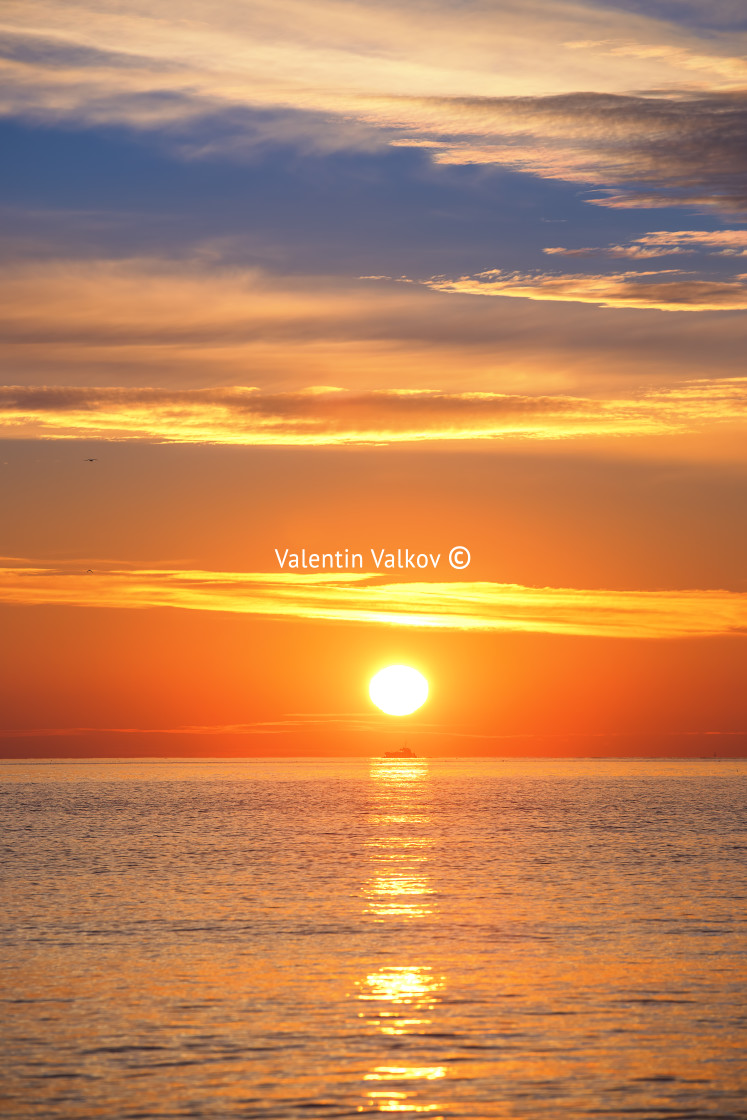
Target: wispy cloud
87, 57
476, 83
660, 148
664, 243
663, 290
731, 69
202, 322
351, 725
323, 416
285, 726
361, 598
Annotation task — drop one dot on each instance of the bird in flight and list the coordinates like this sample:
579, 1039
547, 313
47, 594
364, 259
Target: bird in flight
91, 460
89, 571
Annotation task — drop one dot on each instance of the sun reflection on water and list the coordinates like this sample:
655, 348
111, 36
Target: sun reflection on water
407, 989
400, 998
406, 1073
401, 888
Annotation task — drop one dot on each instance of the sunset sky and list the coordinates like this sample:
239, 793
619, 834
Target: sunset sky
368, 276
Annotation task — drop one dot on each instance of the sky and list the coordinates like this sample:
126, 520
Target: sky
290, 279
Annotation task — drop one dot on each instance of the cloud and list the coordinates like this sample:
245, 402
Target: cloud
361, 598
201, 322
644, 290
284, 726
553, 89
327, 416
732, 69
341, 723
716, 15
85, 56
660, 149
663, 243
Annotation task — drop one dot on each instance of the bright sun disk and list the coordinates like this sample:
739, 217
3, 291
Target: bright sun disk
398, 690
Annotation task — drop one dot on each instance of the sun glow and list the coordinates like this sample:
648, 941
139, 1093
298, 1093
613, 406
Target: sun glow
398, 690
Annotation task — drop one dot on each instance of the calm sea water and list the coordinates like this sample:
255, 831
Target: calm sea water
533, 939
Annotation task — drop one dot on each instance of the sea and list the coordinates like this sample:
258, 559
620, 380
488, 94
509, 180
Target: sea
525, 938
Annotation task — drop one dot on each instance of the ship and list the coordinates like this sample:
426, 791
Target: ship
403, 752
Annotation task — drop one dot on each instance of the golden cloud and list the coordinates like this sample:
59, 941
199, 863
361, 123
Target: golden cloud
476, 83
87, 57
324, 416
352, 722
362, 598
644, 290
663, 243
731, 69
198, 322
661, 149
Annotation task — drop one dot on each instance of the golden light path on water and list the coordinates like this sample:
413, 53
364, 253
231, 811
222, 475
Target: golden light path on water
519, 939
401, 999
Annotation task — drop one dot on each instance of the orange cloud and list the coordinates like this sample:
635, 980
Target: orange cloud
325, 416
198, 322
644, 290
283, 726
729, 69
363, 598
100, 60
662, 243
481, 85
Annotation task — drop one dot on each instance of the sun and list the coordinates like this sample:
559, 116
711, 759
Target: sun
398, 690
